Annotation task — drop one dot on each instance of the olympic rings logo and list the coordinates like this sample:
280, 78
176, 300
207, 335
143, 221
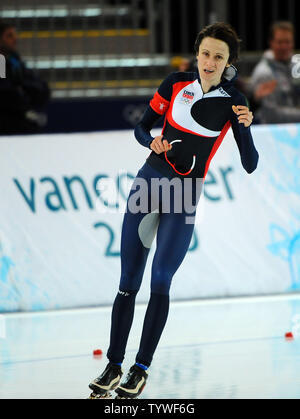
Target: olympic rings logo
186, 101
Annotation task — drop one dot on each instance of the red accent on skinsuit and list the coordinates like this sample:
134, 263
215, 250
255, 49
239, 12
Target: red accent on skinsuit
217, 145
174, 168
159, 104
177, 87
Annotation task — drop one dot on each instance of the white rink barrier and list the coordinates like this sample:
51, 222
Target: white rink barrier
60, 236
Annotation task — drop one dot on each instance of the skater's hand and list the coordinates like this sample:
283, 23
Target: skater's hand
159, 146
265, 89
245, 116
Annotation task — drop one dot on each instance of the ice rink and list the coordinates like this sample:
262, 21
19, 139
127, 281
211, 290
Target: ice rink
210, 349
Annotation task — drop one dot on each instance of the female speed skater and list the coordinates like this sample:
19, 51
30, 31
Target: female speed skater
199, 108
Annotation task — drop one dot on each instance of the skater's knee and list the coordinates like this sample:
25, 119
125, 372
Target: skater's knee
130, 281
127, 292
161, 281
162, 288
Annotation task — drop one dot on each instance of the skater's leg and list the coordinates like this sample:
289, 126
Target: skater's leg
168, 256
121, 322
173, 239
138, 231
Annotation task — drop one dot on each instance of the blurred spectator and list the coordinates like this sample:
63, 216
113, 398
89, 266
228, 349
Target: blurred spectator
23, 94
183, 64
274, 82
186, 65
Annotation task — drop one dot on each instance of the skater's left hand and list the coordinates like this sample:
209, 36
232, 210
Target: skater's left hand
245, 116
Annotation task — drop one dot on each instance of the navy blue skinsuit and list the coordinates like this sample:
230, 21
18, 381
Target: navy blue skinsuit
195, 123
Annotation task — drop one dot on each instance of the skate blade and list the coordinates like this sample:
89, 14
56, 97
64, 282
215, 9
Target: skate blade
100, 396
120, 397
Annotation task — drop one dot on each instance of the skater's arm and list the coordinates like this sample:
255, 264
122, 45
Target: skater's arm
142, 130
157, 107
240, 122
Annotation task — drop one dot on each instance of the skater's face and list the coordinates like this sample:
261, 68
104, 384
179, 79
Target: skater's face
8, 40
212, 60
282, 44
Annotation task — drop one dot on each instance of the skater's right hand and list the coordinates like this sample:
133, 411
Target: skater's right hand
159, 146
